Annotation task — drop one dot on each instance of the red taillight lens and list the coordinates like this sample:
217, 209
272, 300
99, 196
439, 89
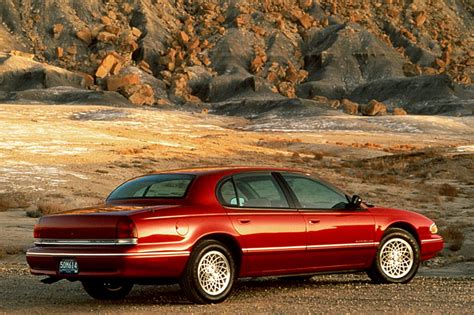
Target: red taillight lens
37, 231
126, 229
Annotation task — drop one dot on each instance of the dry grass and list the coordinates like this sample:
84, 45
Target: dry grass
5, 203
454, 236
10, 250
448, 190
14, 200
46, 207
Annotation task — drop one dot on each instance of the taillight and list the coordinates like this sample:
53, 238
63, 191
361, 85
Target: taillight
126, 229
37, 231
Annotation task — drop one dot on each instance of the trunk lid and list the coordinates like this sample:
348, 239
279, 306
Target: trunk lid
97, 223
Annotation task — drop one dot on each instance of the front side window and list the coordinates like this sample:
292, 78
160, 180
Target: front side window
312, 194
259, 190
154, 186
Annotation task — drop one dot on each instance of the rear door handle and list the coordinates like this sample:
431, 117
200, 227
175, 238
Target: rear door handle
313, 221
243, 221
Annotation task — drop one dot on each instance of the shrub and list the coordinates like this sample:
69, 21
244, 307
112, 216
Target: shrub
50, 207
33, 213
454, 236
10, 250
448, 190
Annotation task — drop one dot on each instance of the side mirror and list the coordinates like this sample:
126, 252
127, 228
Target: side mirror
355, 202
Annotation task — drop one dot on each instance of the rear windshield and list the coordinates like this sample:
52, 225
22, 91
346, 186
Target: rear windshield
154, 186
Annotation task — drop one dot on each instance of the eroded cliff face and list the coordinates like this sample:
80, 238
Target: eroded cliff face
416, 55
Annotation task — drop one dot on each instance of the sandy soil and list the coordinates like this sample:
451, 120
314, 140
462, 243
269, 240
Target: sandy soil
330, 294
72, 156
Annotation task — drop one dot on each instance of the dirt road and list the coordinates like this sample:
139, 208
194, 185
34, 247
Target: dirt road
23, 293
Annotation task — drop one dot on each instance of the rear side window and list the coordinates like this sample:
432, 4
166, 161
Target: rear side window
154, 186
259, 190
227, 193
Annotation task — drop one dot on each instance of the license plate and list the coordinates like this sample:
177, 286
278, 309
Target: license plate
68, 266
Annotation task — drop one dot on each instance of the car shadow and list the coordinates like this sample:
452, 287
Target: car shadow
249, 288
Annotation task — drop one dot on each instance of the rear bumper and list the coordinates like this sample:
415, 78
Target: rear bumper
431, 246
108, 264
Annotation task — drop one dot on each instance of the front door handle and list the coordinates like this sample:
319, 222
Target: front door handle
243, 221
313, 221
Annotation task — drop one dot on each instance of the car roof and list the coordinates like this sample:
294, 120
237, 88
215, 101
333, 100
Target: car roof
226, 170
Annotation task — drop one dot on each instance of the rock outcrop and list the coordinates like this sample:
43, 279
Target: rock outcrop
418, 56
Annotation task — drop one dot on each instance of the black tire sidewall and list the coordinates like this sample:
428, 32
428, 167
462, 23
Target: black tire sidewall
196, 256
402, 234
98, 290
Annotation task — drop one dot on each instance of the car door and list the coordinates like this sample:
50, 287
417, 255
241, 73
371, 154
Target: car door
337, 238
272, 231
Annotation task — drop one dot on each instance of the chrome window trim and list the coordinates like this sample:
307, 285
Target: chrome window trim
78, 242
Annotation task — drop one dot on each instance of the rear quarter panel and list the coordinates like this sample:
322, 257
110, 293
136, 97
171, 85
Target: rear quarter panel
180, 228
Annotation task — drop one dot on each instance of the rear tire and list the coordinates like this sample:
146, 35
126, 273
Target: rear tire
210, 273
102, 289
397, 259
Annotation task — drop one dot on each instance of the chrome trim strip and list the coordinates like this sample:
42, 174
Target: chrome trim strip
433, 240
146, 254
273, 249
78, 242
310, 247
347, 245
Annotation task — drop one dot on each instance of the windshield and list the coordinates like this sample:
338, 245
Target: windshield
153, 186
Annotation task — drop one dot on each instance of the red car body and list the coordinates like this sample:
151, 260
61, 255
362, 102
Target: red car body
153, 238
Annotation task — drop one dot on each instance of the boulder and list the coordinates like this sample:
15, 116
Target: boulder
398, 111
114, 83
110, 61
85, 35
68, 95
19, 73
139, 94
374, 108
349, 107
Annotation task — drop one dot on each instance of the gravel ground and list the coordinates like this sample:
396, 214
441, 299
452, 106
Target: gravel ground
344, 293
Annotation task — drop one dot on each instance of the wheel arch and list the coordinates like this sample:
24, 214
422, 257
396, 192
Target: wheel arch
407, 227
229, 241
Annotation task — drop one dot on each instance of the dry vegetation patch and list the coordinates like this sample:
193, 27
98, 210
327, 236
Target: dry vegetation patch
10, 250
448, 190
454, 236
46, 207
12, 200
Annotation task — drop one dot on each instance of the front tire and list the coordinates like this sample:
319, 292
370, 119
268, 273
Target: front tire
397, 259
101, 289
210, 273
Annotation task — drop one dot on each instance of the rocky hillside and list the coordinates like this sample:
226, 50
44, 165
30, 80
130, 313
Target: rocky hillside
368, 57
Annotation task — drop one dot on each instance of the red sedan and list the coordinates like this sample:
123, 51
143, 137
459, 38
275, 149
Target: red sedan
204, 228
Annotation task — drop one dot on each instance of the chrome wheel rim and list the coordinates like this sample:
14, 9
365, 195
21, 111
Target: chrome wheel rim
214, 272
396, 258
